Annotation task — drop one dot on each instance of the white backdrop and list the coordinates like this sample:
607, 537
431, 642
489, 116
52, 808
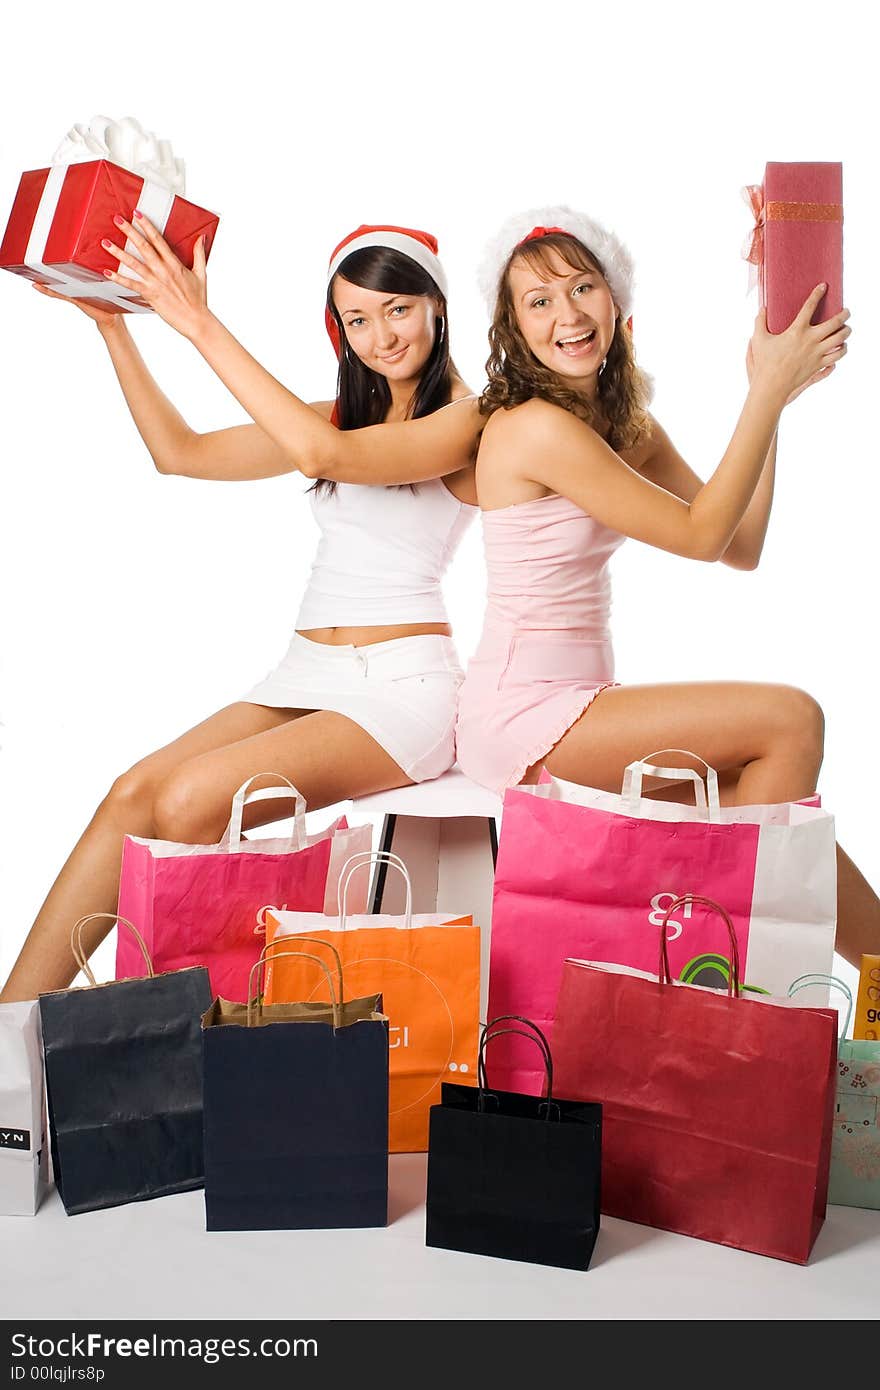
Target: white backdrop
134, 604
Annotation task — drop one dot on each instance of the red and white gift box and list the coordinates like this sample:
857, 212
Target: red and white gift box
60, 215
797, 241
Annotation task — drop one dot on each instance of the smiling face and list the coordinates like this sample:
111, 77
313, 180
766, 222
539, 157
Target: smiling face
564, 311
392, 334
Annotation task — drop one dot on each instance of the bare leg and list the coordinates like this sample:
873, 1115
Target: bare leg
327, 756
338, 768
765, 741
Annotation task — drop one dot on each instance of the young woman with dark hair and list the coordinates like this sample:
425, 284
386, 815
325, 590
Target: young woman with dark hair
364, 698
571, 462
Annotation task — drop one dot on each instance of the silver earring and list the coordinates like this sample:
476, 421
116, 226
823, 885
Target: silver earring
442, 334
603, 366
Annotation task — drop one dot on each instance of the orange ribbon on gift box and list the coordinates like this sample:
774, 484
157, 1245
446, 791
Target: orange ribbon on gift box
764, 212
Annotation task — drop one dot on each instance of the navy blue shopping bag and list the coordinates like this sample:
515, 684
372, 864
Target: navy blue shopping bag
124, 1083
296, 1111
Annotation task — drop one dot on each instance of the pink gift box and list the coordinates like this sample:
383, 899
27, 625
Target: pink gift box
61, 215
797, 242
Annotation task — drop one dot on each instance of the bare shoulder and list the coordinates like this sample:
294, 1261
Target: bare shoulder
462, 392
323, 408
526, 430
514, 446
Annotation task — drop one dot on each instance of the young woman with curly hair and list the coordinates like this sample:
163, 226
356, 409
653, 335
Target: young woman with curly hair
572, 462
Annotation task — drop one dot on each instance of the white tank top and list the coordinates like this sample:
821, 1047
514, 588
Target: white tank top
382, 554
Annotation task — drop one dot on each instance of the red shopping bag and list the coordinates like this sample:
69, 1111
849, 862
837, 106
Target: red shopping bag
717, 1108
201, 904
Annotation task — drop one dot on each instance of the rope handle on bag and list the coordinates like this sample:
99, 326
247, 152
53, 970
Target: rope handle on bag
361, 860
631, 789
79, 955
492, 1031
244, 797
269, 954
664, 973
255, 1000
832, 982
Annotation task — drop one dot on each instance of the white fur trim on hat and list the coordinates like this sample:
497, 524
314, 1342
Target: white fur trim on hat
611, 253
395, 241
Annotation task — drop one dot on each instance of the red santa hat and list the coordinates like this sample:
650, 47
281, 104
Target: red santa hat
421, 247
613, 257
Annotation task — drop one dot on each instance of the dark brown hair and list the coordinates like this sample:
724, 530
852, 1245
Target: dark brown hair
515, 374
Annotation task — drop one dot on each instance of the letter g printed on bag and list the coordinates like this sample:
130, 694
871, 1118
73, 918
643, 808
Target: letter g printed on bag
661, 903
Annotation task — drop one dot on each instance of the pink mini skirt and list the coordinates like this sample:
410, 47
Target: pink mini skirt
524, 689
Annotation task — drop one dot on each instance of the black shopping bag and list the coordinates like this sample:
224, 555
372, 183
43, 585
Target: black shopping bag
124, 1084
296, 1111
511, 1175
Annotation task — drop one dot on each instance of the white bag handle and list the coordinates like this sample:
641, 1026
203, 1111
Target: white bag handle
631, 791
365, 858
243, 797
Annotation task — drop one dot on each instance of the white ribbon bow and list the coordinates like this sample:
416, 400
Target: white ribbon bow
123, 142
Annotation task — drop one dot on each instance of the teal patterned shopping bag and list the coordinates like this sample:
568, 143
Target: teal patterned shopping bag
855, 1143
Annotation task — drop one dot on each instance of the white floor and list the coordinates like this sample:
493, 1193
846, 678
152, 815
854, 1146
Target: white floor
154, 1260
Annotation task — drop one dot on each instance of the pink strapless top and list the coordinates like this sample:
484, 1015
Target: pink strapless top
547, 564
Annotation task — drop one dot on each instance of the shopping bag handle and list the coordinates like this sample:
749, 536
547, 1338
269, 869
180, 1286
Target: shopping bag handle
664, 974
231, 836
268, 954
256, 1000
832, 981
79, 954
631, 789
492, 1031
361, 860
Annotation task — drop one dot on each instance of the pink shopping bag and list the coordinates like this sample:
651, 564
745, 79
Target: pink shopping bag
590, 874
201, 904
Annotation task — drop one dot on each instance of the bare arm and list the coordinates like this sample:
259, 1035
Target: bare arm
406, 452
240, 453
411, 451
541, 443
667, 468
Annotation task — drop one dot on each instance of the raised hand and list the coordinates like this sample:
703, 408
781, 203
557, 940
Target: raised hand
104, 318
177, 295
803, 354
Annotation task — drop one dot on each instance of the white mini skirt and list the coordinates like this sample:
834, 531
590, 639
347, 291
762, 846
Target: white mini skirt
403, 693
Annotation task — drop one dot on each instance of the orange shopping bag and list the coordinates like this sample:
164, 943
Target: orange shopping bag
427, 969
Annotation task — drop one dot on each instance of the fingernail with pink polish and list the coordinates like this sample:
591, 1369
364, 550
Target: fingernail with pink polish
138, 214
120, 221
106, 243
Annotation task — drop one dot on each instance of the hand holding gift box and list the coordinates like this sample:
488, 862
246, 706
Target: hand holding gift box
62, 219
797, 240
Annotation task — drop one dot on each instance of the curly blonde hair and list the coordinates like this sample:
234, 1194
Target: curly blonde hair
515, 374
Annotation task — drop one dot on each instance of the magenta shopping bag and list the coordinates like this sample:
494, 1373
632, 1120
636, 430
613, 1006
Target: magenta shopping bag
202, 904
592, 875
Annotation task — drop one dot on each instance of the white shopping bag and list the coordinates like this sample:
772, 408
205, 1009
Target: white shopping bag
24, 1154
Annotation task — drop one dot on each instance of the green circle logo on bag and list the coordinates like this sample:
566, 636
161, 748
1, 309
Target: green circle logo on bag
712, 971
